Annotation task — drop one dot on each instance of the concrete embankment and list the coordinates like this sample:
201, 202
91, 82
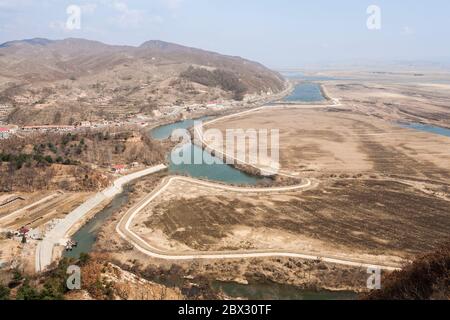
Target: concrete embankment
56, 237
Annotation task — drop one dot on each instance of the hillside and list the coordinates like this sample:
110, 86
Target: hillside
427, 278
72, 162
41, 80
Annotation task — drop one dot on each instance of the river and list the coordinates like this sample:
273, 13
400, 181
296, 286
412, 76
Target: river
306, 92
164, 132
275, 291
87, 235
427, 128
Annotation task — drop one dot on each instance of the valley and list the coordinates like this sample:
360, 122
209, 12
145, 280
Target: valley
357, 186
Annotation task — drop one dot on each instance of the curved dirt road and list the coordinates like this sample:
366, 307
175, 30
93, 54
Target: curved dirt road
56, 236
199, 137
123, 228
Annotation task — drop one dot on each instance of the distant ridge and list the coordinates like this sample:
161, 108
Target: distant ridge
34, 41
62, 81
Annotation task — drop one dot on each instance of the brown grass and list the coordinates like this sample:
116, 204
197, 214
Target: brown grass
428, 277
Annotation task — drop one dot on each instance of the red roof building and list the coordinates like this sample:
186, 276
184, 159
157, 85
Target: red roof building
24, 230
4, 133
119, 168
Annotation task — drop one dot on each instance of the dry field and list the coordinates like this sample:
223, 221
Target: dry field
306, 274
351, 218
413, 102
329, 141
35, 209
383, 193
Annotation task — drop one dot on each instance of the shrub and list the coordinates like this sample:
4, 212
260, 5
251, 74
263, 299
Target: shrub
4, 292
223, 79
426, 278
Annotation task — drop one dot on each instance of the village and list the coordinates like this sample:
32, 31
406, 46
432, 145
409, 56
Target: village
25, 218
140, 120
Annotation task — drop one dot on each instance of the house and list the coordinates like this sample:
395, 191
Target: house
23, 231
4, 133
119, 168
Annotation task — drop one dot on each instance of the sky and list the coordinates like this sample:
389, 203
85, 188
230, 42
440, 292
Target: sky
277, 33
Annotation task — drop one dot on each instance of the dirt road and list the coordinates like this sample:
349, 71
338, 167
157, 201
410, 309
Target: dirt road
123, 228
270, 170
21, 210
44, 250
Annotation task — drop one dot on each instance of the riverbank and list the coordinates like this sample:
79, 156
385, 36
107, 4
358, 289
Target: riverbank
292, 273
350, 189
160, 136
45, 254
214, 112
256, 279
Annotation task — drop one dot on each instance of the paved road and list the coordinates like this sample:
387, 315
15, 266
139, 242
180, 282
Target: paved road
55, 237
123, 228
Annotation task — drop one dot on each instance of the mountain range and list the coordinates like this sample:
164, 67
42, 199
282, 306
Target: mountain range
59, 81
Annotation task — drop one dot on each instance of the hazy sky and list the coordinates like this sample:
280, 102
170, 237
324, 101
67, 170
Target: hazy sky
278, 33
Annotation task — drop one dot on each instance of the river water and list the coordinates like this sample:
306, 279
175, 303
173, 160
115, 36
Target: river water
87, 235
306, 92
218, 171
275, 291
427, 128
164, 132
221, 172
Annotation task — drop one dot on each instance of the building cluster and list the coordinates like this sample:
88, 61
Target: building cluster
47, 128
83, 125
140, 120
6, 132
28, 233
122, 168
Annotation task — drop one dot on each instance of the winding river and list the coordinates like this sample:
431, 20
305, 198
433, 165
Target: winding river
219, 171
86, 236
